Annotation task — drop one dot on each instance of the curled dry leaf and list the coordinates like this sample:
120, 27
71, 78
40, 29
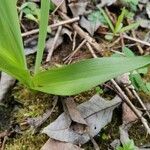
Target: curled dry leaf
57, 145
97, 112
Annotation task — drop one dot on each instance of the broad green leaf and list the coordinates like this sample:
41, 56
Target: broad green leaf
42, 33
11, 67
10, 34
84, 75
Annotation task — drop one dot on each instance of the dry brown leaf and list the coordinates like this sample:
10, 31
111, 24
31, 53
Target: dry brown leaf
57, 145
78, 8
128, 115
74, 112
97, 112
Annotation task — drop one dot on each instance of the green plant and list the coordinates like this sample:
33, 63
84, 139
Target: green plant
31, 11
66, 80
118, 28
127, 146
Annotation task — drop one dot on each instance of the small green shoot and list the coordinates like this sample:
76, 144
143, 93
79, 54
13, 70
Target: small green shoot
31, 11
118, 27
128, 146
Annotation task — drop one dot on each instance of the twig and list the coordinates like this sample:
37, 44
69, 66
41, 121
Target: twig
57, 7
91, 50
74, 41
136, 40
83, 34
4, 141
140, 101
34, 31
128, 102
50, 51
73, 53
128, 37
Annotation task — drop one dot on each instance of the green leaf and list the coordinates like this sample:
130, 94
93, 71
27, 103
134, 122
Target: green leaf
127, 52
138, 83
107, 20
42, 33
96, 16
84, 75
127, 146
129, 27
10, 35
119, 21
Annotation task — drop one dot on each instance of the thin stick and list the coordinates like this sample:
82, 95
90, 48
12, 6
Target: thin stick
128, 102
51, 26
83, 34
57, 7
50, 51
136, 40
74, 41
91, 50
75, 51
128, 37
140, 101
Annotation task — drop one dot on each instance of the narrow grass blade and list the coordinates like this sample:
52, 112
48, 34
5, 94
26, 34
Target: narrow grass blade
42, 33
120, 20
107, 19
129, 27
86, 74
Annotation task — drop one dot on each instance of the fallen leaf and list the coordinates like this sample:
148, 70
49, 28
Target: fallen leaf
97, 112
106, 3
128, 115
90, 26
78, 8
73, 112
57, 145
144, 23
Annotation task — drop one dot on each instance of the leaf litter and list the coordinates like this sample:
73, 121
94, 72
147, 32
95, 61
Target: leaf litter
97, 112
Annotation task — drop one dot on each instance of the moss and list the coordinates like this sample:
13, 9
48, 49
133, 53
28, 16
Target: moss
138, 133
26, 141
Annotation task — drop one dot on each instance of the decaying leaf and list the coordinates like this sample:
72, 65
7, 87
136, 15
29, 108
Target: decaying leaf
144, 23
6, 82
90, 26
73, 112
97, 112
128, 115
57, 145
78, 8
106, 3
